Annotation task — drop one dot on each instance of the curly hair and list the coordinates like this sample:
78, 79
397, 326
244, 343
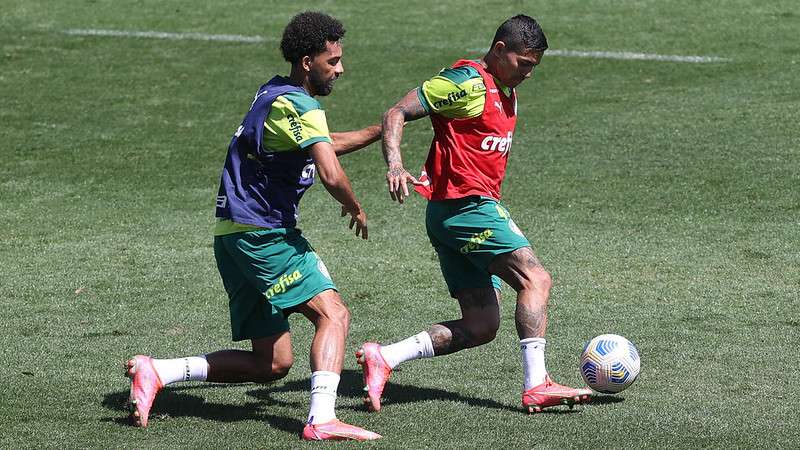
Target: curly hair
307, 33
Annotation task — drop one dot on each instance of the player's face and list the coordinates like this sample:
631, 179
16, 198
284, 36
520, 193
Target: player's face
326, 67
514, 68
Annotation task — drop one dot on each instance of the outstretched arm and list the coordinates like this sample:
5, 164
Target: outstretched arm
350, 141
406, 110
338, 185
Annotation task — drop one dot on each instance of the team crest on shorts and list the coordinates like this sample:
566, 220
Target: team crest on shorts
322, 268
513, 226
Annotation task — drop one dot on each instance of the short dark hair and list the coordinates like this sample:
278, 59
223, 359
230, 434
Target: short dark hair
307, 33
521, 33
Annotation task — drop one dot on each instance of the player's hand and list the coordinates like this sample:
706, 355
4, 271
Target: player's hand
358, 219
398, 178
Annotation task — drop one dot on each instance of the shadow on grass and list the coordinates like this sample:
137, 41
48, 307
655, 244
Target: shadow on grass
605, 399
352, 382
175, 401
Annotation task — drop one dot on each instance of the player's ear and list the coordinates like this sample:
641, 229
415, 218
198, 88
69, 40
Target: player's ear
306, 62
498, 48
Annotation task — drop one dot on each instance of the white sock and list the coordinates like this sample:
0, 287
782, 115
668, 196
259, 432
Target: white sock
415, 347
323, 396
533, 361
192, 368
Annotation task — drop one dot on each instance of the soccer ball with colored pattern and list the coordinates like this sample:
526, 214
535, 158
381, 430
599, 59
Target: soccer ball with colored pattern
609, 363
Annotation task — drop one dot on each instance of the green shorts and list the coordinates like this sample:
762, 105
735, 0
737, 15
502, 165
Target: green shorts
266, 272
467, 234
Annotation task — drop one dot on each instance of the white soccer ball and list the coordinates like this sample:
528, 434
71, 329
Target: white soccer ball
609, 363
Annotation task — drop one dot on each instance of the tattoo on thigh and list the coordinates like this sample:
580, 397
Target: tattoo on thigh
533, 261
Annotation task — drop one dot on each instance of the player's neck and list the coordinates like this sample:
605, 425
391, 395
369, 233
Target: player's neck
489, 63
299, 77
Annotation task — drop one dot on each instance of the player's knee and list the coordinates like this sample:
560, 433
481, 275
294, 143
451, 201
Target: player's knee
536, 278
486, 335
338, 314
333, 315
485, 331
273, 370
280, 369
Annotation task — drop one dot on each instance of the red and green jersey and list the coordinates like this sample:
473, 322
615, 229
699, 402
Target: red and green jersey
473, 120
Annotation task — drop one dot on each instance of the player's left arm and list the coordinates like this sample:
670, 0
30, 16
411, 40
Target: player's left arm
349, 141
338, 185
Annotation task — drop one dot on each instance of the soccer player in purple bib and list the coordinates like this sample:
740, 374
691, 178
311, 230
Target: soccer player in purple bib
268, 269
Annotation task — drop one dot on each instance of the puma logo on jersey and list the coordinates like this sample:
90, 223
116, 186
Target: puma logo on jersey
497, 143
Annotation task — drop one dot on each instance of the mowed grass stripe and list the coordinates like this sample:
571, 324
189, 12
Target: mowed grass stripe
658, 194
600, 54
637, 56
168, 35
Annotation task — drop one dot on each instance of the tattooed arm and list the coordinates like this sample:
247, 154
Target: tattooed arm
406, 110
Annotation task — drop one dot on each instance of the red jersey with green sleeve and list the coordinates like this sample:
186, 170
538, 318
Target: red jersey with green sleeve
473, 121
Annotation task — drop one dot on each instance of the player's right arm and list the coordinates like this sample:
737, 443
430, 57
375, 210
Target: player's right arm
350, 141
338, 185
457, 93
407, 109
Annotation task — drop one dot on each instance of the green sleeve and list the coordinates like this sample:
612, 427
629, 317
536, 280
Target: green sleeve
456, 93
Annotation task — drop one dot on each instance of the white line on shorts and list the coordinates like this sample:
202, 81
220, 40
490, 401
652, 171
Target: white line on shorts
628, 56
165, 35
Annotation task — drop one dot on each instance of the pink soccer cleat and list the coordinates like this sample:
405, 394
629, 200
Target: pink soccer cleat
376, 373
550, 393
336, 431
145, 384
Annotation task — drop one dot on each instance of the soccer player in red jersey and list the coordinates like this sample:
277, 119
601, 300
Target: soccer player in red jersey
473, 108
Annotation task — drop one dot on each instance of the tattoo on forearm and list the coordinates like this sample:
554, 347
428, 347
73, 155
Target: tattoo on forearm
392, 134
407, 109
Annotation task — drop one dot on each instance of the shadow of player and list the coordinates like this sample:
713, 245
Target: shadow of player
351, 386
179, 401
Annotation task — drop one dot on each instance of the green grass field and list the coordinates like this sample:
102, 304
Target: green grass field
663, 196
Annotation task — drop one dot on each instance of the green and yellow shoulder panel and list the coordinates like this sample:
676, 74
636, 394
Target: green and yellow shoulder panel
295, 121
456, 92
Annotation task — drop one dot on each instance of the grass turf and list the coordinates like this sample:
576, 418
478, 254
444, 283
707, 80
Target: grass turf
662, 196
